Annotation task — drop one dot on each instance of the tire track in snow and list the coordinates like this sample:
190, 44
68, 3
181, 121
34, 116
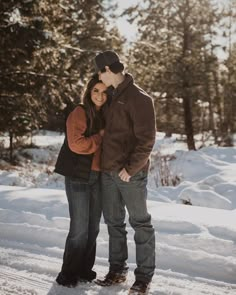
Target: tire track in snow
13, 281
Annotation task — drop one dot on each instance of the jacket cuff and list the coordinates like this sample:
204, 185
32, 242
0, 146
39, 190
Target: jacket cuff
130, 171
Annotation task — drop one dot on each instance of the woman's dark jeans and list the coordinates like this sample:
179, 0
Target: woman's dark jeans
85, 212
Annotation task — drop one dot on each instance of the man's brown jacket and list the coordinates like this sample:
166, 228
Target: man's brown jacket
130, 129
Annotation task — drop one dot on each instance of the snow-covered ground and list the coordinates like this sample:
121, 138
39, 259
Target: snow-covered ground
195, 245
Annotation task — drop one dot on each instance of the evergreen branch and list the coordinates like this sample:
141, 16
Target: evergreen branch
38, 74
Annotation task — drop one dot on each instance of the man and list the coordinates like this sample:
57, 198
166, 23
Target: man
127, 143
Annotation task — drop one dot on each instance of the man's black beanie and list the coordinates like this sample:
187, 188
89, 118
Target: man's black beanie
105, 58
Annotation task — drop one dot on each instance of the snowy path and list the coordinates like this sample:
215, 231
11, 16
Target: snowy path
196, 247
14, 280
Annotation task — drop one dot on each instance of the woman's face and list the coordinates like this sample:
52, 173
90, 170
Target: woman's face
99, 95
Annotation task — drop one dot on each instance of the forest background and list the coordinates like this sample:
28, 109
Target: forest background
47, 47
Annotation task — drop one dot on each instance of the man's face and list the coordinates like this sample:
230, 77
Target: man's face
106, 76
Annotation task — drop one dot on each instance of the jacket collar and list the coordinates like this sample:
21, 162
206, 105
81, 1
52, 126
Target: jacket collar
123, 85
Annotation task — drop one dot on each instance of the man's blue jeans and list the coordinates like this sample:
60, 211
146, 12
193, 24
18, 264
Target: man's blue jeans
116, 195
85, 212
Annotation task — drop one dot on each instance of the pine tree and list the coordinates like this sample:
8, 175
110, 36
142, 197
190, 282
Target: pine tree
229, 75
170, 55
79, 29
21, 35
46, 55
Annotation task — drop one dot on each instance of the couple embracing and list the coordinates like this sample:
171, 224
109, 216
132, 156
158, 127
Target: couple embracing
105, 161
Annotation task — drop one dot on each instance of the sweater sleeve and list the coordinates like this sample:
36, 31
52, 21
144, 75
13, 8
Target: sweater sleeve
76, 125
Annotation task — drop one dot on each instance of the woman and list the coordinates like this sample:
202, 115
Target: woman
79, 162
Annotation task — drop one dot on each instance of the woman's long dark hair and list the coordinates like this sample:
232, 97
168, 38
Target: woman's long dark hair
92, 113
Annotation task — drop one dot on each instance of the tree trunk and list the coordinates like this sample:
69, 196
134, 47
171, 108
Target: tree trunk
186, 91
11, 146
168, 131
219, 106
188, 123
